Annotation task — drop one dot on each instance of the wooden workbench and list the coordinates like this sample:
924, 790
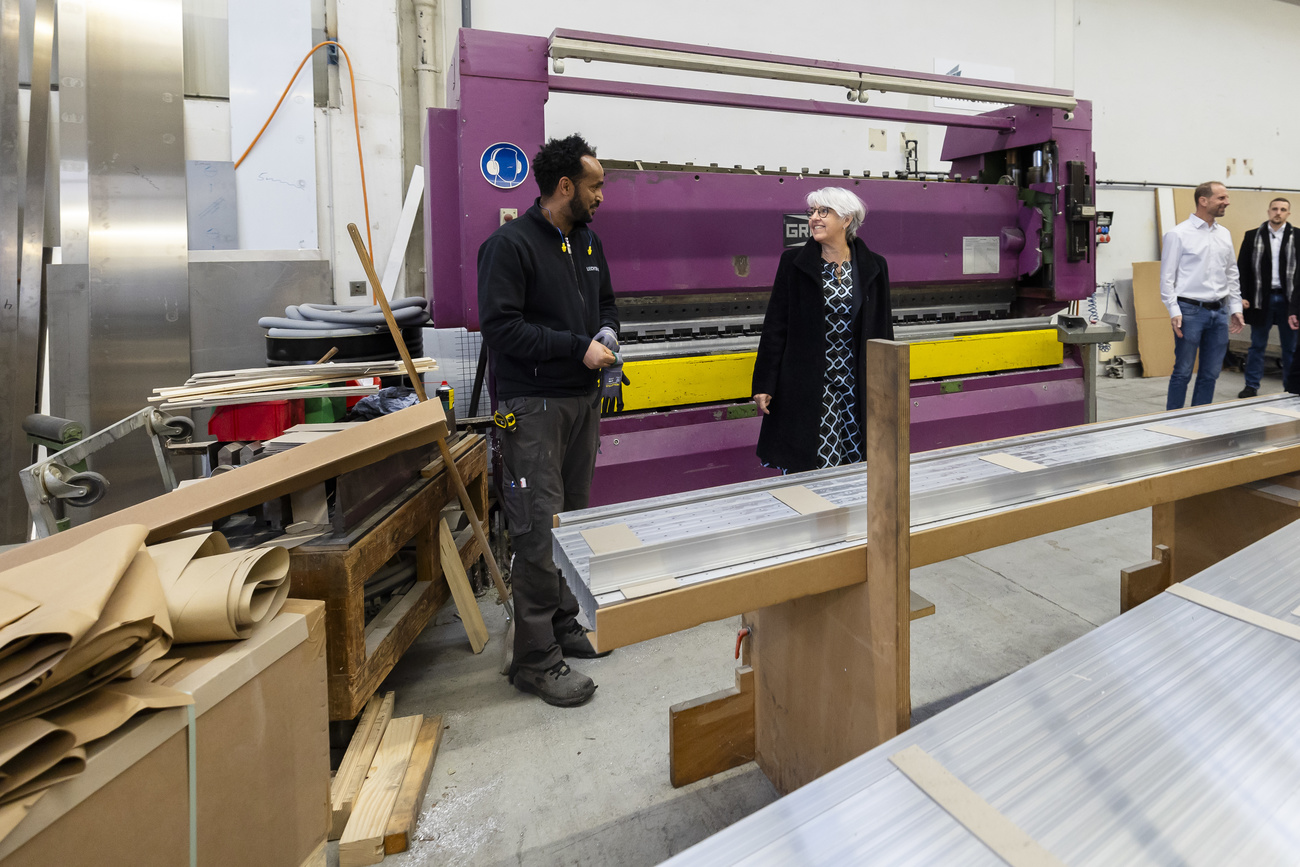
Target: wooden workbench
335, 570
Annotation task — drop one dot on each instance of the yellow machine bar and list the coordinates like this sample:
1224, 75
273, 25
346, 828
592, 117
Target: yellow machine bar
668, 382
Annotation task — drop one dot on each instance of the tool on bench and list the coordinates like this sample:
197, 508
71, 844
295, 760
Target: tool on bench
449, 464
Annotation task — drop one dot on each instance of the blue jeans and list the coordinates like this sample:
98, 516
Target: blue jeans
1206, 331
1275, 315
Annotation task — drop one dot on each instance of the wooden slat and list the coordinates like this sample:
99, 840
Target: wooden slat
461, 592
363, 839
1144, 581
275, 476
343, 794
921, 607
410, 798
713, 733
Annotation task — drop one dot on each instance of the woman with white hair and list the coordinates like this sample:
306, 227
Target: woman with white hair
830, 296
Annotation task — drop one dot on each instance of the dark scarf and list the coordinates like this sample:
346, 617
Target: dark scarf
1263, 254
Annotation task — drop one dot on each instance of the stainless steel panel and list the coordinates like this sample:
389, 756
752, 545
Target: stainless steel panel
137, 247
69, 318
210, 205
227, 298
13, 518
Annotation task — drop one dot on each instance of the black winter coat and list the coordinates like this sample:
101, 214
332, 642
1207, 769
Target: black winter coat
541, 300
791, 364
1257, 282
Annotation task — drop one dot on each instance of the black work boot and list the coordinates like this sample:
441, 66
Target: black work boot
558, 685
1247, 392
574, 642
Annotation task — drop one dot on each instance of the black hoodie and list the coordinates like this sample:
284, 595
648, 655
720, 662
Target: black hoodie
540, 305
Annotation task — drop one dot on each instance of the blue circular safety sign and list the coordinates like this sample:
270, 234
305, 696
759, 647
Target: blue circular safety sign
504, 165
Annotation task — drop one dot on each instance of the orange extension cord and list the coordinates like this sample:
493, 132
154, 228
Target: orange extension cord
356, 122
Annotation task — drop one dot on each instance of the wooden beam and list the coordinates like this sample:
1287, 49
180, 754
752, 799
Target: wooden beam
921, 607
356, 761
889, 532
461, 592
410, 797
363, 839
1146, 580
713, 733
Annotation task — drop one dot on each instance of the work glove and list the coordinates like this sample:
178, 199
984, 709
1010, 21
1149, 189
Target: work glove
607, 338
612, 380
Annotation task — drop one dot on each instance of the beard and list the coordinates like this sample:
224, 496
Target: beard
579, 211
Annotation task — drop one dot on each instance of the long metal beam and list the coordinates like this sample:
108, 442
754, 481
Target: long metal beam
13, 514
715, 534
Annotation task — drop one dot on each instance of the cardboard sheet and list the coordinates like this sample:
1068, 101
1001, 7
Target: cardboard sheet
1155, 334
802, 500
1011, 462
611, 538
1171, 430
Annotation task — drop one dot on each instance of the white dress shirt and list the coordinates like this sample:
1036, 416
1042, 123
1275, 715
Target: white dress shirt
1275, 241
1198, 262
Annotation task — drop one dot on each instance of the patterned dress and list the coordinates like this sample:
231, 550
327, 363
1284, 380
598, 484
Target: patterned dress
839, 437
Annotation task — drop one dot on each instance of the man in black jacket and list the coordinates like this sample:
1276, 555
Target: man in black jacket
547, 315
1267, 265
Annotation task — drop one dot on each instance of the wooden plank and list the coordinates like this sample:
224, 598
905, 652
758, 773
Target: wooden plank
920, 606
348, 781
410, 797
889, 529
713, 733
461, 592
1144, 581
387, 620
363, 839
275, 476
1210, 527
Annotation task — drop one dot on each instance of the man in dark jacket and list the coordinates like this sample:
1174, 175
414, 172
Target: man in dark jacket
547, 315
1267, 265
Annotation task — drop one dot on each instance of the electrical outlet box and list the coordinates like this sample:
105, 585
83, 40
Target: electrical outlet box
357, 288
508, 214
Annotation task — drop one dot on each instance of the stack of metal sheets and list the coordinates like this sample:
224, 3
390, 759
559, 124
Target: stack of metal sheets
710, 534
1168, 736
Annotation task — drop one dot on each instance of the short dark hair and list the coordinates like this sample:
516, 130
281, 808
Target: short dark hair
1279, 199
561, 158
1205, 191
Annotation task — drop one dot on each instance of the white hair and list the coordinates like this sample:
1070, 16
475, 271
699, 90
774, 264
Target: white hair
841, 201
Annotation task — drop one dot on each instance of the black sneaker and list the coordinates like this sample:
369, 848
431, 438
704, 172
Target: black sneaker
558, 685
1247, 392
575, 643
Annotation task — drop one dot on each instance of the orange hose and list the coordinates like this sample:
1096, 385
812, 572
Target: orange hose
356, 122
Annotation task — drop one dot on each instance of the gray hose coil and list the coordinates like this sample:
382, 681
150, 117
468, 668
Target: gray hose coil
334, 320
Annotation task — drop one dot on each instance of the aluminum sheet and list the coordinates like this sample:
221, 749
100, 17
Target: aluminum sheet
13, 511
1166, 736
726, 531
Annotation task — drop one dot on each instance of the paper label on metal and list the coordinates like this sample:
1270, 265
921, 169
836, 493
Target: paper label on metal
979, 255
1011, 462
650, 588
993, 829
1278, 410
611, 538
802, 500
1180, 432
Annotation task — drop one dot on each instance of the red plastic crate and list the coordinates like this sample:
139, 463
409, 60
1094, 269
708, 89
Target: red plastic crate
254, 421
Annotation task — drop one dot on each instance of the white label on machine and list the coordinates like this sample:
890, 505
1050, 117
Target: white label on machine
979, 255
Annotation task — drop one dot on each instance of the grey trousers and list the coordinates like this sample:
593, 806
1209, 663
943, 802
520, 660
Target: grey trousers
548, 460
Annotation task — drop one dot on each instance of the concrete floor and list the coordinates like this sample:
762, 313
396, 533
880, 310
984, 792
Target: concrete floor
519, 782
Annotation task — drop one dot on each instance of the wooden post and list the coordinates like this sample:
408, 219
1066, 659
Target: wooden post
889, 532
831, 673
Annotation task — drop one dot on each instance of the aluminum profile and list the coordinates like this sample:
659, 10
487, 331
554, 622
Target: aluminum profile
704, 535
1166, 736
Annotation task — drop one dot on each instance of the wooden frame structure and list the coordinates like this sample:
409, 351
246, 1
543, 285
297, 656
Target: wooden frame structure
830, 641
360, 655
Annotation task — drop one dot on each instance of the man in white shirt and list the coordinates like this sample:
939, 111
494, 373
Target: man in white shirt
1200, 288
1267, 263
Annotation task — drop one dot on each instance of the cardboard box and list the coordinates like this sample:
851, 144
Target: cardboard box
1155, 334
263, 771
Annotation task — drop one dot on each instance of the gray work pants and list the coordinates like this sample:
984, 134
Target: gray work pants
548, 459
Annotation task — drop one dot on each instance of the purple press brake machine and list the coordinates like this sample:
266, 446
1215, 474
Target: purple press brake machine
978, 259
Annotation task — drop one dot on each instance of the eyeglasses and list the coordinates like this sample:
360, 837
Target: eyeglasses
820, 212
